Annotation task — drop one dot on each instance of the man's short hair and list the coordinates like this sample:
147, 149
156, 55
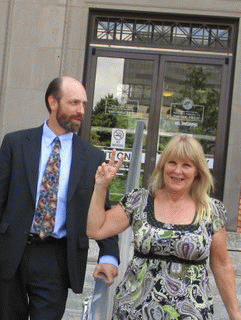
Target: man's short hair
54, 89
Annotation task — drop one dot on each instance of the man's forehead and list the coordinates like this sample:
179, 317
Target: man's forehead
74, 90
69, 83
74, 95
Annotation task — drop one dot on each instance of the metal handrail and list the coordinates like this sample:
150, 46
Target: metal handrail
99, 306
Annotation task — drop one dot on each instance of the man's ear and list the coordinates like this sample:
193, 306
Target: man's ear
53, 103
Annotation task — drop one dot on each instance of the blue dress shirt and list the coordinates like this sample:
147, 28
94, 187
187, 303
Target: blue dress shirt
66, 141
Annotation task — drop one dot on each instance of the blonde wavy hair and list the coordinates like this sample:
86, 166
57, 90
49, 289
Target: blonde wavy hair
185, 147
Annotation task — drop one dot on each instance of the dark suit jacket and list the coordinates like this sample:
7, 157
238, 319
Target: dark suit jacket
19, 163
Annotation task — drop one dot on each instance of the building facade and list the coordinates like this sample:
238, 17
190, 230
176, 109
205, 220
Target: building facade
175, 65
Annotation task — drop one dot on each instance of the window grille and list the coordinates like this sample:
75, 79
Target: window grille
164, 33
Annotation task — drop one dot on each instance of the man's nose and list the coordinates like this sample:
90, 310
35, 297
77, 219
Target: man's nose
81, 108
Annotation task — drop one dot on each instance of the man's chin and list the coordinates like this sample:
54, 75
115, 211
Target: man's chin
74, 129
70, 127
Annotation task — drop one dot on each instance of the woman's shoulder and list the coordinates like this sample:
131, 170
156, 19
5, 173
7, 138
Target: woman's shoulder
141, 191
134, 200
134, 197
218, 214
217, 206
136, 194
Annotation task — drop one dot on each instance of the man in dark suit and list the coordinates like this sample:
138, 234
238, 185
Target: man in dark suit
36, 269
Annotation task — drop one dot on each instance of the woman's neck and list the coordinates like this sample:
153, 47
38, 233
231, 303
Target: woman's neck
173, 196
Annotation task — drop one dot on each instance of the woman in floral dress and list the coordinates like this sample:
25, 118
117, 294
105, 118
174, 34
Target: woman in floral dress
176, 227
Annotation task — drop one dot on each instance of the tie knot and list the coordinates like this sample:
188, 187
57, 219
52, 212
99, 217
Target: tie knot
56, 141
57, 144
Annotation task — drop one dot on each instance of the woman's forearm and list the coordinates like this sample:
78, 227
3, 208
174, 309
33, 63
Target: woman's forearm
225, 281
98, 225
96, 214
222, 268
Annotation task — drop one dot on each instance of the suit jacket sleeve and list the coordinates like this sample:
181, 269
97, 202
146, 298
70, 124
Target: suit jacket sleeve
5, 172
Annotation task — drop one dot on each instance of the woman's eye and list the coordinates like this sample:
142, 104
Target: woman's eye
187, 165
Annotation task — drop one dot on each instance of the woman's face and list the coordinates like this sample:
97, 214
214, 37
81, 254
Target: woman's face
179, 174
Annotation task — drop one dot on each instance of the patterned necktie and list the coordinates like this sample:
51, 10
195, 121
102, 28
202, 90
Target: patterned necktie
44, 219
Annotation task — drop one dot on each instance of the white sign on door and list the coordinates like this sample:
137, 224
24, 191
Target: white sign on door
118, 138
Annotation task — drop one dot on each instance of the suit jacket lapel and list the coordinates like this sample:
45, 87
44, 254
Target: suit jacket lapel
77, 165
31, 151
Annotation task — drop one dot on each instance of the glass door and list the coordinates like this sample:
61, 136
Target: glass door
194, 101
170, 93
123, 93
189, 103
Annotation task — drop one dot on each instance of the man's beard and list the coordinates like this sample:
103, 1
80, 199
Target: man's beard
65, 121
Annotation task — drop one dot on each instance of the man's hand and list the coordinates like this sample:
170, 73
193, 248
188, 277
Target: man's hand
107, 271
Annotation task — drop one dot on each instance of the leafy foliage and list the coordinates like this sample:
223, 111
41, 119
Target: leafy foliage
195, 88
103, 119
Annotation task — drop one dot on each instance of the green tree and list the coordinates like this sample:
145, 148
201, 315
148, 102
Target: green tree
100, 118
196, 88
103, 119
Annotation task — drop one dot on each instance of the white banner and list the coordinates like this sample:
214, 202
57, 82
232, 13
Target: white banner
128, 155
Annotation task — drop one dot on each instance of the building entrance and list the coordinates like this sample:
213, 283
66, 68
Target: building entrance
171, 93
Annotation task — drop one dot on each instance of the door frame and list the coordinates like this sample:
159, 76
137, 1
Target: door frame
160, 57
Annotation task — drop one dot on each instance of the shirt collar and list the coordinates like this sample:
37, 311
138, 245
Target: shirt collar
49, 135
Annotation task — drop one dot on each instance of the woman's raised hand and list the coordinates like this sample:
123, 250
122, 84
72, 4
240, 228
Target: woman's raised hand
107, 171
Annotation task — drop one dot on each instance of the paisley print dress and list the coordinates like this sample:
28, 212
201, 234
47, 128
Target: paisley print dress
167, 277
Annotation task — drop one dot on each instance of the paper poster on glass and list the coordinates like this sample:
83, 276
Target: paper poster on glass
187, 113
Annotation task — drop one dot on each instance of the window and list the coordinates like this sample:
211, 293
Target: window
164, 33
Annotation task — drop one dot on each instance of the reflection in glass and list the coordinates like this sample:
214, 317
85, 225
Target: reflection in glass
122, 97
190, 101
